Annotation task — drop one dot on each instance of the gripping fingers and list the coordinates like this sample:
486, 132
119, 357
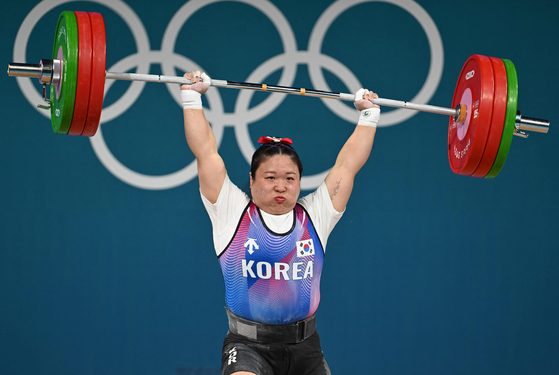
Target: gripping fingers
200, 82
370, 96
370, 113
364, 98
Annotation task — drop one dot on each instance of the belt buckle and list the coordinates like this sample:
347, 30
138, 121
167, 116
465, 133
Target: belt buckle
301, 331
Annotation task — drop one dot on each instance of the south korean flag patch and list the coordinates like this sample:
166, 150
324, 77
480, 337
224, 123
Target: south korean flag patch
305, 248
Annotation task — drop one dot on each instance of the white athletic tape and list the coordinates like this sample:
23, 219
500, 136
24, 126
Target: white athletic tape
206, 79
369, 117
191, 99
359, 95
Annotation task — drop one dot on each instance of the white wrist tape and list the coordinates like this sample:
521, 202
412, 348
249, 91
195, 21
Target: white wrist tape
369, 117
191, 99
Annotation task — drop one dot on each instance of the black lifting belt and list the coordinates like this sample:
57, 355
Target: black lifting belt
271, 333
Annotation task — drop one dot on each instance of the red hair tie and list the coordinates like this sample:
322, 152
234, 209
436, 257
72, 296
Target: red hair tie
264, 140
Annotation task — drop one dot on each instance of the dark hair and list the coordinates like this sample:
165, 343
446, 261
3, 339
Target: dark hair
269, 150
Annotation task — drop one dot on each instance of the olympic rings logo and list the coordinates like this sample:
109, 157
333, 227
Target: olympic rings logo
242, 115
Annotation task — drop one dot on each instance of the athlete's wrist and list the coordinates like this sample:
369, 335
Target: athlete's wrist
191, 99
369, 117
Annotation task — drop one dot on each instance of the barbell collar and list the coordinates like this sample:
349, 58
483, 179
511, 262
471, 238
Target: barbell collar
51, 71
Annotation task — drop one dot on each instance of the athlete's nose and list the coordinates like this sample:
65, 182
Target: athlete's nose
280, 186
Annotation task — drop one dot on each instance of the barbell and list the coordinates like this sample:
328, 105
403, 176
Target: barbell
483, 116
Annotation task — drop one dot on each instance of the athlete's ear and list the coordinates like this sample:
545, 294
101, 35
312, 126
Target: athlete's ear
250, 179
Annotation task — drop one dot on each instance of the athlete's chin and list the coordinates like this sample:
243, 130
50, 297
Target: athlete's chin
279, 208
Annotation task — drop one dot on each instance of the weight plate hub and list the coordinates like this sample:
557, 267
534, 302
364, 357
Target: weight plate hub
97, 74
475, 89
63, 95
510, 120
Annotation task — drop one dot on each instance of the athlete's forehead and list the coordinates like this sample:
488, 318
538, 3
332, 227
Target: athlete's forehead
278, 164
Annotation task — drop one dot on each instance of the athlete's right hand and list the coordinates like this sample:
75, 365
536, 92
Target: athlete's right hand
200, 82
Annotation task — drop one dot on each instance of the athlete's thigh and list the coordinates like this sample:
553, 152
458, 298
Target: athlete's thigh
308, 358
239, 357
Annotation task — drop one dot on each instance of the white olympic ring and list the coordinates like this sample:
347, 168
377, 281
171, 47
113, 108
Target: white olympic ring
242, 115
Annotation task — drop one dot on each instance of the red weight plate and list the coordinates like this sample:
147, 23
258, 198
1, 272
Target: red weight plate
497, 120
84, 74
97, 75
466, 142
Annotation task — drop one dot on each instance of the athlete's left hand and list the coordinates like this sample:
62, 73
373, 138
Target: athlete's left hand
364, 99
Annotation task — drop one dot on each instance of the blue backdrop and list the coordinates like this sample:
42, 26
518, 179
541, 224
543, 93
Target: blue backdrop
107, 263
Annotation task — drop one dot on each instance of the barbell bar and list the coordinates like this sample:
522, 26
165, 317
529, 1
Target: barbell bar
481, 124
50, 69
284, 90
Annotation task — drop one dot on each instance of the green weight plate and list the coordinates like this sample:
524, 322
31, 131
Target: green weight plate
63, 95
510, 120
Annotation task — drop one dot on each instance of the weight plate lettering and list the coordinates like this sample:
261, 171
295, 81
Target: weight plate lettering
475, 89
63, 95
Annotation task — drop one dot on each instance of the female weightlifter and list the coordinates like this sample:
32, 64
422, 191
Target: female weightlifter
271, 246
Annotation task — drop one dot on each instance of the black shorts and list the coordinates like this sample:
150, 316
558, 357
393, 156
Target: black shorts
304, 358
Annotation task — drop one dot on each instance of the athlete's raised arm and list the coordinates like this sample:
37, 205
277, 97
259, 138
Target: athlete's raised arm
200, 138
355, 151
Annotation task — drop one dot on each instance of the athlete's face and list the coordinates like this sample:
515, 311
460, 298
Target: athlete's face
275, 187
